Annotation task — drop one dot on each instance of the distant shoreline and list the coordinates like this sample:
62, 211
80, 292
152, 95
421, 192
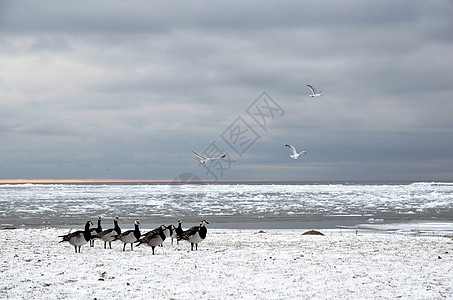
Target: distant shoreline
220, 182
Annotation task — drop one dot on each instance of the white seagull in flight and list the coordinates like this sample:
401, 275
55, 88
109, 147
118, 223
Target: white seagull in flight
204, 160
295, 155
314, 92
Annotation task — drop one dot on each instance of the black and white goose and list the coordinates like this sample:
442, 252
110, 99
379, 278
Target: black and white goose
78, 238
109, 234
169, 231
172, 232
153, 238
130, 236
179, 230
95, 231
195, 234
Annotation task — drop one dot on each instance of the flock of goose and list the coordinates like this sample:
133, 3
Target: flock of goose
152, 238
157, 236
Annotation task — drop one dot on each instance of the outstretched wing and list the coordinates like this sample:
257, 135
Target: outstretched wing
292, 148
313, 90
199, 156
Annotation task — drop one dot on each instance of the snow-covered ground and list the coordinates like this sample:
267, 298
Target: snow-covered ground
230, 264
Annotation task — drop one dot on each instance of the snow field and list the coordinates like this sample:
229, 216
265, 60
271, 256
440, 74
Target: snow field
230, 264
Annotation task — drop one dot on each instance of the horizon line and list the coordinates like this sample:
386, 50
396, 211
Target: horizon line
80, 180
15, 181
93, 180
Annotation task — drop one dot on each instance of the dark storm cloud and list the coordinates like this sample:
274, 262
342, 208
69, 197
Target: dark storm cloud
144, 16
134, 86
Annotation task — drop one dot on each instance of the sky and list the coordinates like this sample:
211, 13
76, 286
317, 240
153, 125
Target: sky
126, 90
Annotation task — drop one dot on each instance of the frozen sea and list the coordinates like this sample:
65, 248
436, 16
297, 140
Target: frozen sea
385, 206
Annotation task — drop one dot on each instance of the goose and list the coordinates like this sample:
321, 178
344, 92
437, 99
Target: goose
172, 232
179, 231
295, 155
195, 234
314, 92
130, 236
153, 238
109, 234
204, 160
78, 238
169, 231
95, 231
156, 230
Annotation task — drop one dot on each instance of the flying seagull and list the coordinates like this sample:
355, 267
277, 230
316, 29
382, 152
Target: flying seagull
204, 160
295, 155
314, 92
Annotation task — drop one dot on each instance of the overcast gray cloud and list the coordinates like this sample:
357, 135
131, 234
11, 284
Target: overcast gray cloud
125, 90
